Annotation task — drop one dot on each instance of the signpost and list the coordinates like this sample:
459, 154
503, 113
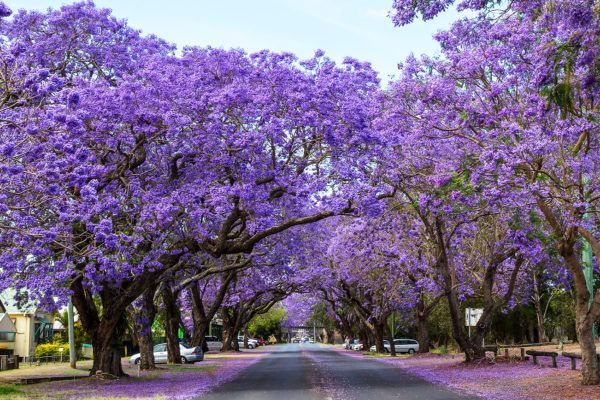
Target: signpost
472, 316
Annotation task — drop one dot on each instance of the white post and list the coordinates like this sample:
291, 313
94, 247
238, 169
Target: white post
71, 328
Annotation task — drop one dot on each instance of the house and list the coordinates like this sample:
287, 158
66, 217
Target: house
7, 332
33, 324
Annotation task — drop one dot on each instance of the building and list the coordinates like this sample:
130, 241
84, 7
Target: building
33, 325
7, 333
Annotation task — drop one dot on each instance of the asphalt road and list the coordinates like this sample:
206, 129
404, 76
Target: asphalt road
305, 372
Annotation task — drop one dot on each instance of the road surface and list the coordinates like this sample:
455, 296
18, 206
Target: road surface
306, 371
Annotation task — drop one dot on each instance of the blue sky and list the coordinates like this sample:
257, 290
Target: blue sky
356, 28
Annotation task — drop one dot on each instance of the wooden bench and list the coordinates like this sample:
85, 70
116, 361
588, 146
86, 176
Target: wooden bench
574, 357
535, 354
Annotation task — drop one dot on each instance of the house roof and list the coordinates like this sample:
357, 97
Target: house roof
6, 324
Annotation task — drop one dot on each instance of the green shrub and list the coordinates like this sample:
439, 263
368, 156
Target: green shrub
50, 349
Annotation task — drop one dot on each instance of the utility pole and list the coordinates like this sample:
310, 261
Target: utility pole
71, 328
588, 264
588, 272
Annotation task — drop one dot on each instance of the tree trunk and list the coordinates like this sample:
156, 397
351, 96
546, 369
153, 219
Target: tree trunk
105, 334
330, 336
203, 317
201, 321
171, 325
392, 345
584, 321
146, 351
230, 342
107, 345
378, 329
589, 361
144, 318
422, 332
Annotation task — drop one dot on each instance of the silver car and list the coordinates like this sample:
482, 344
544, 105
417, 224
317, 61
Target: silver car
409, 346
213, 343
252, 343
188, 354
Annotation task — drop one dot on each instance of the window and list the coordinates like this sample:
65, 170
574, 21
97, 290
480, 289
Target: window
7, 336
160, 347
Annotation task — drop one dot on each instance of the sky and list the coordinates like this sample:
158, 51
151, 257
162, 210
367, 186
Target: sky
355, 28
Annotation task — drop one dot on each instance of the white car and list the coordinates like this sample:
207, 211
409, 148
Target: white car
188, 354
213, 343
357, 346
252, 343
409, 346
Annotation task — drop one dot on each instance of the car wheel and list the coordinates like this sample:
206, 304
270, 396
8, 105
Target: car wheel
411, 351
137, 361
183, 360
386, 350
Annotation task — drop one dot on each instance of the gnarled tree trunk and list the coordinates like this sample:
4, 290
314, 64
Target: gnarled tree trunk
144, 318
171, 325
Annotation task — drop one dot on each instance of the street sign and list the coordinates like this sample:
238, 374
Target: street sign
472, 316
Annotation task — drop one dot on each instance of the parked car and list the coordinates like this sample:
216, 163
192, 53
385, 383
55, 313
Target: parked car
386, 346
311, 340
252, 343
409, 346
213, 343
262, 342
357, 345
188, 354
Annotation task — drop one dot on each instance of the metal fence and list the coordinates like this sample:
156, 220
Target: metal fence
52, 359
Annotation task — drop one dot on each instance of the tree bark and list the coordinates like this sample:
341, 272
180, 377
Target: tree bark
230, 342
392, 345
422, 332
144, 318
107, 345
378, 329
171, 325
584, 321
105, 333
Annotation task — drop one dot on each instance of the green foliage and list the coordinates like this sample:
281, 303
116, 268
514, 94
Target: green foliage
267, 324
561, 315
443, 350
440, 325
50, 349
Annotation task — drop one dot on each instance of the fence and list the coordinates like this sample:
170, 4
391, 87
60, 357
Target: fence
9, 362
52, 359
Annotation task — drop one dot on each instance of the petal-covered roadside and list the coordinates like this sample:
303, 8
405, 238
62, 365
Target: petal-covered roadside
172, 382
515, 380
